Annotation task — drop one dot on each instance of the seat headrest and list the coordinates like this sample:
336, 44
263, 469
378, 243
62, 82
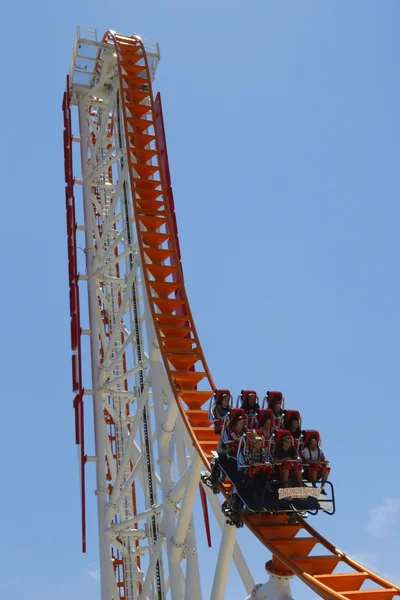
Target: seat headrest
219, 393
272, 397
307, 435
244, 395
236, 412
280, 434
263, 413
291, 414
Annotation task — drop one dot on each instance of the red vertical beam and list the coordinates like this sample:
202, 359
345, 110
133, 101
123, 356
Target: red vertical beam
203, 499
74, 303
162, 141
164, 164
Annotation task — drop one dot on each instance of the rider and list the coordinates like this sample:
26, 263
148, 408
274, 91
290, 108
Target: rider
258, 468
294, 427
251, 408
317, 465
286, 454
229, 445
279, 414
233, 434
266, 427
255, 452
221, 411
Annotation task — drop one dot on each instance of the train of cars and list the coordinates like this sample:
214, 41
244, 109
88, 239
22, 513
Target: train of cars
272, 463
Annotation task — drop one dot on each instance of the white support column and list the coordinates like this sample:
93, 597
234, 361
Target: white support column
165, 464
101, 482
223, 563
238, 557
152, 567
277, 588
193, 582
187, 508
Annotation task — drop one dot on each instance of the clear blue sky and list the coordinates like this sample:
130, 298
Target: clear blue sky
283, 131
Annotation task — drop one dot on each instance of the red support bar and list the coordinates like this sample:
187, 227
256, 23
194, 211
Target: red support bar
162, 140
74, 303
204, 504
164, 164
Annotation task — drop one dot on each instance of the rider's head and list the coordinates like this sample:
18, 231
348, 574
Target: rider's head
224, 400
267, 421
257, 443
238, 422
276, 404
313, 442
251, 399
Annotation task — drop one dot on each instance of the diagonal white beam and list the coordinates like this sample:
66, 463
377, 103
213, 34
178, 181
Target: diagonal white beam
185, 516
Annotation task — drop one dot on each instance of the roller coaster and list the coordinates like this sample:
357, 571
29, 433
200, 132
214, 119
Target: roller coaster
151, 384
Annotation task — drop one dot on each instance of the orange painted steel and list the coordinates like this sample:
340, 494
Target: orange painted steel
179, 343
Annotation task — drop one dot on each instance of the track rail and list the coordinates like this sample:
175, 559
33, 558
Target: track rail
184, 361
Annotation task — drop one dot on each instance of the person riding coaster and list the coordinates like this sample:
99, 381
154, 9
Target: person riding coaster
316, 465
227, 446
254, 460
220, 410
286, 457
265, 424
275, 403
293, 424
250, 405
259, 463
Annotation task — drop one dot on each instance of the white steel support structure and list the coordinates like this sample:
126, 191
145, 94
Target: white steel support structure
224, 562
147, 469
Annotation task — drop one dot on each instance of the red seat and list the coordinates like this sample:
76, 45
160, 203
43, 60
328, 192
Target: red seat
279, 435
237, 411
251, 422
253, 433
266, 443
253, 470
244, 394
219, 393
306, 437
289, 414
262, 414
219, 424
270, 397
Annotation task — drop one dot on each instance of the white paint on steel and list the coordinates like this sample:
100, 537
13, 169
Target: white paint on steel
225, 555
276, 588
